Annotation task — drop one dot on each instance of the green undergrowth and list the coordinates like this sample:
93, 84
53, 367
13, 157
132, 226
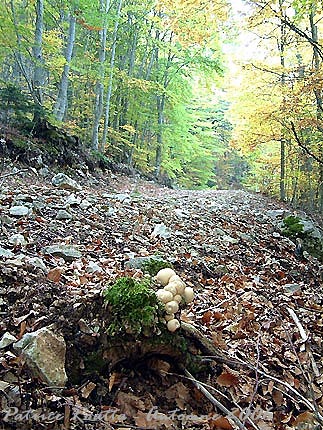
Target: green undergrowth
292, 226
154, 265
294, 229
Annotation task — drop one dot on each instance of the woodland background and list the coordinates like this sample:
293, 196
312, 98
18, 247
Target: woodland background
192, 93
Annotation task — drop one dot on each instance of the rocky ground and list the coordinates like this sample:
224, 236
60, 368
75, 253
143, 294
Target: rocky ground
257, 300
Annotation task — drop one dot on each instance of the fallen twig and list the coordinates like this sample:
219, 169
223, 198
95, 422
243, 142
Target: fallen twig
302, 332
13, 173
303, 399
200, 386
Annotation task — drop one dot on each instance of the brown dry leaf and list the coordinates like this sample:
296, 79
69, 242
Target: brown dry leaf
83, 280
207, 317
180, 393
220, 423
218, 316
114, 379
278, 398
22, 330
87, 390
160, 366
304, 420
227, 379
217, 339
154, 420
129, 404
55, 274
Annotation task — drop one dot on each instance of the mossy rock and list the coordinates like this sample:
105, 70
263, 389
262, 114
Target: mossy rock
151, 264
292, 226
133, 308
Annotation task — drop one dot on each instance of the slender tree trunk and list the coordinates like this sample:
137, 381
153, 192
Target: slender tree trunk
159, 147
61, 102
38, 76
109, 91
99, 89
283, 79
319, 100
161, 99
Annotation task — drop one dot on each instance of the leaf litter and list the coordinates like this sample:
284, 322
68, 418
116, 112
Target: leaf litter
256, 301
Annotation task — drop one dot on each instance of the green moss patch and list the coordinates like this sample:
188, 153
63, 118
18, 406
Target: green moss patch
133, 308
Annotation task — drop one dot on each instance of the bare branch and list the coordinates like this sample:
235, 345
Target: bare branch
303, 146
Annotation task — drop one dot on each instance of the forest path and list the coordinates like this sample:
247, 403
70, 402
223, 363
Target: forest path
227, 245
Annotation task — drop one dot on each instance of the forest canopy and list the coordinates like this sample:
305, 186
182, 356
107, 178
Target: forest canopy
193, 93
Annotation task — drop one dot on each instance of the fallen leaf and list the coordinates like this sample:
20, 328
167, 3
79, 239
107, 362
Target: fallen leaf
87, 390
55, 274
220, 423
304, 420
206, 318
227, 379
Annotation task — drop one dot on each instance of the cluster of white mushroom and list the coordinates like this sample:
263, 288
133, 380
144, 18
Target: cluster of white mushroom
172, 294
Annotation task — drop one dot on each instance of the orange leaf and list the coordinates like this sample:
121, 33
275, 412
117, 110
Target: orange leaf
220, 423
305, 417
55, 274
227, 379
207, 317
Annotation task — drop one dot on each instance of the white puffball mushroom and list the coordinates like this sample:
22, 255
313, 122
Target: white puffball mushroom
171, 288
171, 307
188, 294
179, 285
173, 325
169, 317
164, 274
164, 296
174, 278
178, 298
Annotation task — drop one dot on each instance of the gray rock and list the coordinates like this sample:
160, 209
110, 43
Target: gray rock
39, 203
85, 204
6, 253
63, 215
6, 220
44, 352
17, 239
65, 182
310, 228
68, 252
292, 288
7, 339
44, 171
162, 231
72, 201
19, 211
93, 267
140, 262
37, 262
278, 213
119, 197
24, 198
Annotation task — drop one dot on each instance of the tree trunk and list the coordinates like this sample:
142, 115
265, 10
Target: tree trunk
61, 102
319, 101
159, 147
38, 75
109, 91
99, 89
282, 139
